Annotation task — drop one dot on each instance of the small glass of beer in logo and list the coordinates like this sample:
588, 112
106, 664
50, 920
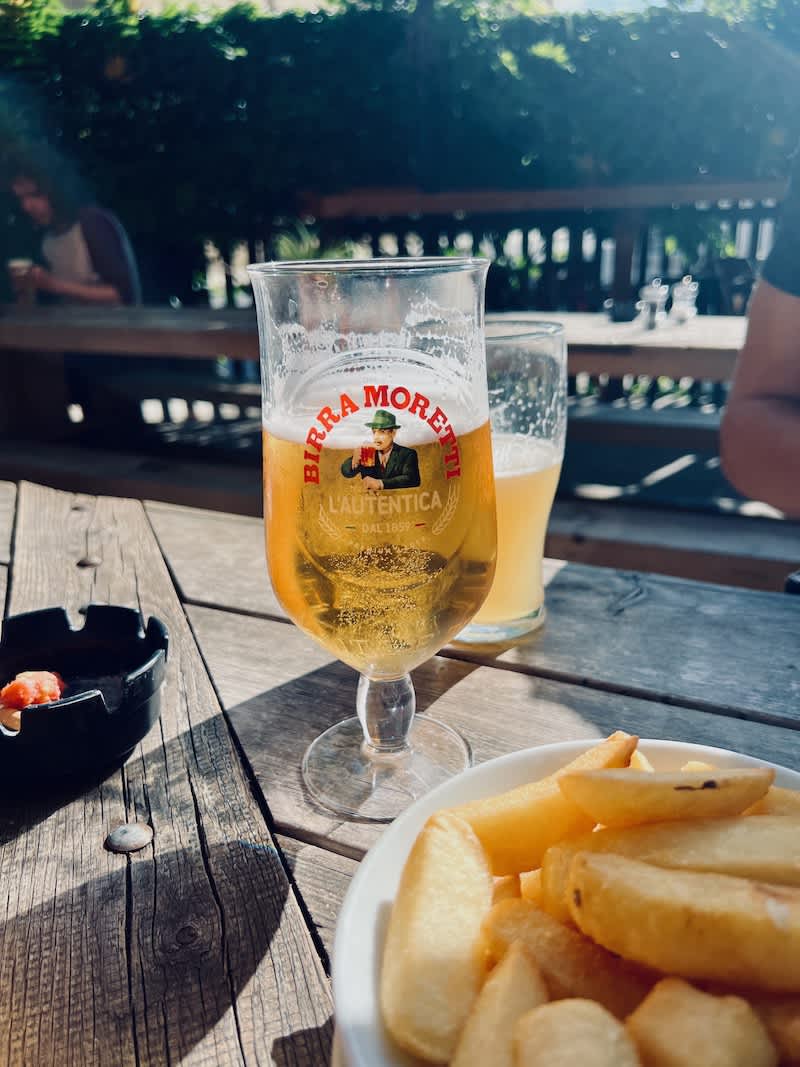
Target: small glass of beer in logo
379, 499
527, 371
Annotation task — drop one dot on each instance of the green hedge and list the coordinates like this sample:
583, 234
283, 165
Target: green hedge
193, 127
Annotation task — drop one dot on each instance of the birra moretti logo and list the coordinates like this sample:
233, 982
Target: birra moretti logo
381, 396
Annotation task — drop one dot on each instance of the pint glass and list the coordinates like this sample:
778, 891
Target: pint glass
527, 369
378, 496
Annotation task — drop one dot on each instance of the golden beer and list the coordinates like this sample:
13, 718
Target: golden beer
526, 474
382, 578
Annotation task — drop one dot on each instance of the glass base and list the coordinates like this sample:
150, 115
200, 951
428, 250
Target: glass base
497, 632
345, 775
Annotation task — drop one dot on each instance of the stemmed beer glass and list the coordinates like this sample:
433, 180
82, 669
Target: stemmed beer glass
379, 500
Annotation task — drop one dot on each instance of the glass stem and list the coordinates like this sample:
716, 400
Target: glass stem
385, 710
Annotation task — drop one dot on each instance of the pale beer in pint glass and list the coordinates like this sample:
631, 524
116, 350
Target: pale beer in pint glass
527, 372
378, 497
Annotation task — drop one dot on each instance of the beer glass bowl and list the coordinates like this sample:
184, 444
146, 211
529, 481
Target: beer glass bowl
378, 497
527, 371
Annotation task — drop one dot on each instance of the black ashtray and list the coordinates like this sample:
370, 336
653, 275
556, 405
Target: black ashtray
113, 667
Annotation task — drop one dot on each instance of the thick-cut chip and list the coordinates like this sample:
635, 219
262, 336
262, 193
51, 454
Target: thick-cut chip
513, 988
704, 926
614, 798
767, 849
517, 827
777, 801
434, 959
572, 1033
506, 887
697, 765
530, 886
679, 1026
571, 964
780, 1014
640, 762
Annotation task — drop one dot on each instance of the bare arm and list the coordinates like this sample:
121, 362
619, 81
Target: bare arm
88, 294
99, 293
760, 434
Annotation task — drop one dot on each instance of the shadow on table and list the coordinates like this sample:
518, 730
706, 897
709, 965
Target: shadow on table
275, 727
156, 955
23, 805
304, 1047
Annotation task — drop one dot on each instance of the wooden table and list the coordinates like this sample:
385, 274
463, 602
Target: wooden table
705, 348
212, 945
33, 340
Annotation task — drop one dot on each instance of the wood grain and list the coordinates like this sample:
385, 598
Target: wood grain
322, 879
280, 690
194, 950
215, 558
730, 649
723, 549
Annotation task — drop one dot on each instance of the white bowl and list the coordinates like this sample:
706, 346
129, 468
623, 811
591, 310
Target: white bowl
361, 928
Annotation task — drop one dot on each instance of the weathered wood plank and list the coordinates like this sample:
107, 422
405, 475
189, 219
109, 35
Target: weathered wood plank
215, 558
321, 878
194, 950
724, 648
636, 632
8, 503
724, 549
280, 690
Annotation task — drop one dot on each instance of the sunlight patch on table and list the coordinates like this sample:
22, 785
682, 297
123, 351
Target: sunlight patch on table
660, 474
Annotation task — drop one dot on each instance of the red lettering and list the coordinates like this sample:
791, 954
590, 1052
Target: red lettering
376, 396
315, 437
419, 405
400, 398
311, 456
453, 474
447, 438
327, 417
311, 473
347, 405
451, 457
438, 420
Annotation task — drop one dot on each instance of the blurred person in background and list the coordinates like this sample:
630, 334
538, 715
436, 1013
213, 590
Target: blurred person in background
84, 258
88, 257
760, 432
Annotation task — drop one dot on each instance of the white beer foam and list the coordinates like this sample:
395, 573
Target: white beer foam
463, 411
515, 454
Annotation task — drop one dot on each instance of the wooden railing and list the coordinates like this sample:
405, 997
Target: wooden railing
569, 249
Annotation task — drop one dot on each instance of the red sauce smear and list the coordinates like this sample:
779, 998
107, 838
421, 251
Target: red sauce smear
29, 687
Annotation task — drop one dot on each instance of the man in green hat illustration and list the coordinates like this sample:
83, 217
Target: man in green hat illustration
393, 466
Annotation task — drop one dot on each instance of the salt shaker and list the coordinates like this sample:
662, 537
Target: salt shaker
653, 298
684, 295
